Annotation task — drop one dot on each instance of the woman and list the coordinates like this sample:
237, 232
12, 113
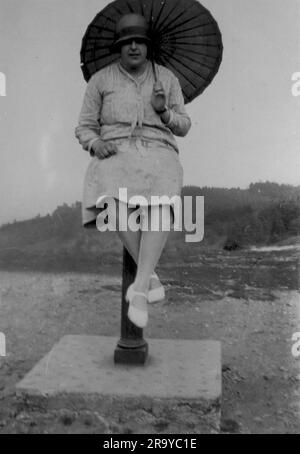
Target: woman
127, 122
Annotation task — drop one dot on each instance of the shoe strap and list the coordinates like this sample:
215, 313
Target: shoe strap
139, 293
134, 292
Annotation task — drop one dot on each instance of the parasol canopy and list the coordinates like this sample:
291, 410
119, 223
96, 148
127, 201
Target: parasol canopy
184, 37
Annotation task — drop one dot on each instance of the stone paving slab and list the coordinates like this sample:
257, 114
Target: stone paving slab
80, 371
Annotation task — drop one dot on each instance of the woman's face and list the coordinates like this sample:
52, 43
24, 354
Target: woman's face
134, 53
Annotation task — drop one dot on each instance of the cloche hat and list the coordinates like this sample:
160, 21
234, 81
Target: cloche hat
131, 26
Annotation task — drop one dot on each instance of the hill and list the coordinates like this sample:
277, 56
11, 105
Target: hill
263, 214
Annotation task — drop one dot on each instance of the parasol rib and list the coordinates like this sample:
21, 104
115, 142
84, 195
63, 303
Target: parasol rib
98, 48
196, 27
194, 60
142, 9
109, 19
164, 20
197, 44
151, 15
89, 62
99, 27
208, 35
167, 29
160, 12
191, 51
174, 39
116, 9
130, 7
185, 66
180, 72
91, 41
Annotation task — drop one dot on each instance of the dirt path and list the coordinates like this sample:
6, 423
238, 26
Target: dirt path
254, 318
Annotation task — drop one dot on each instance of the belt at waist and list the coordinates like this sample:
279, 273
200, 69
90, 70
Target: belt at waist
145, 142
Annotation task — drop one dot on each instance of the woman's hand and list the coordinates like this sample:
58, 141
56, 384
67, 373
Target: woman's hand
158, 98
104, 149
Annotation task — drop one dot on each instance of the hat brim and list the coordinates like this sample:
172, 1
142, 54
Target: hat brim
129, 38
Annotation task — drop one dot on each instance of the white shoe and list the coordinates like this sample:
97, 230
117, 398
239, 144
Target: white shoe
137, 316
158, 293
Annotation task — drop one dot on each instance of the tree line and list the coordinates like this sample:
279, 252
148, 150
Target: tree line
264, 213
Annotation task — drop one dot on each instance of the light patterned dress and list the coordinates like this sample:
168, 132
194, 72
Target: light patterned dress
117, 107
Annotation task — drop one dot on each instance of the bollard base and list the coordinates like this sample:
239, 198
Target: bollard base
131, 355
180, 385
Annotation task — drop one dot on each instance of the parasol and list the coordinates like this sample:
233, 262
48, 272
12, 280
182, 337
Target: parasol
185, 38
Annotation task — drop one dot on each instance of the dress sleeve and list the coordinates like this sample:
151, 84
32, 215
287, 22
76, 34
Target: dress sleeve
88, 129
180, 122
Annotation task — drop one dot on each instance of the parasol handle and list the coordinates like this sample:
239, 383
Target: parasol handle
154, 70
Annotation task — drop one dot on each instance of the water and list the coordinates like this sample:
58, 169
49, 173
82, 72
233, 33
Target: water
292, 247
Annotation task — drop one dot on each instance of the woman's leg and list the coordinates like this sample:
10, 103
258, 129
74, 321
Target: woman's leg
131, 240
151, 247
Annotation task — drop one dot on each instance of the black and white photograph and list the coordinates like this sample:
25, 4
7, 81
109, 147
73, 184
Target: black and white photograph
149, 219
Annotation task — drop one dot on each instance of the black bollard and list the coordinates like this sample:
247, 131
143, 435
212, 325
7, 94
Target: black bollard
132, 347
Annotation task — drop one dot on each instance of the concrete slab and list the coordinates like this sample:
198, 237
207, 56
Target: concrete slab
80, 372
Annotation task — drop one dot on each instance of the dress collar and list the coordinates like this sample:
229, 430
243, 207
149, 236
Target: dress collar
139, 79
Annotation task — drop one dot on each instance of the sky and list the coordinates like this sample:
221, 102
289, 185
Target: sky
245, 126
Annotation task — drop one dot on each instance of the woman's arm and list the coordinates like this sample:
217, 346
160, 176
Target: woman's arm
88, 129
179, 121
